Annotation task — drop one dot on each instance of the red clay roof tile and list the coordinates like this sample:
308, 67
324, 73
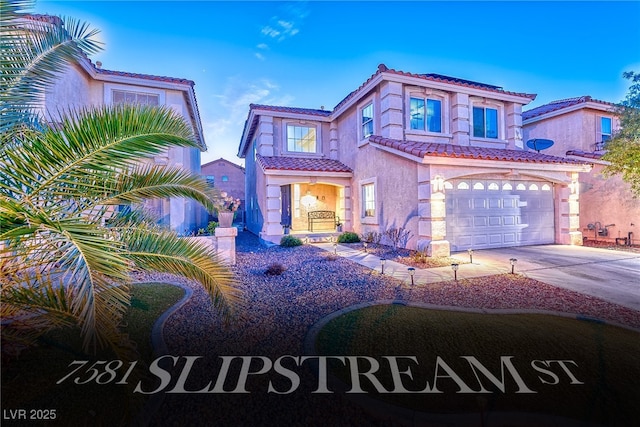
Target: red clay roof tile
302, 164
585, 154
422, 149
560, 104
281, 109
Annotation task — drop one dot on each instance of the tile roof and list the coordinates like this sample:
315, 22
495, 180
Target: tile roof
585, 154
422, 149
560, 104
435, 78
302, 164
143, 76
280, 109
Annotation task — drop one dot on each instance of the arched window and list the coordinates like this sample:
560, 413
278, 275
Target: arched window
533, 187
478, 186
493, 186
463, 186
507, 186
546, 187
521, 187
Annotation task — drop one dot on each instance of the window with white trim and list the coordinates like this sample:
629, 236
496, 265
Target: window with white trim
426, 114
485, 122
130, 97
366, 120
301, 139
368, 200
605, 129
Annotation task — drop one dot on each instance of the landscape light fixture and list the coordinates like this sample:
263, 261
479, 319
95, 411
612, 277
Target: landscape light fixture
470, 255
412, 271
365, 246
382, 260
335, 248
513, 262
454, 267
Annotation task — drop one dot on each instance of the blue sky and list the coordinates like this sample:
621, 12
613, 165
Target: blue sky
312, 54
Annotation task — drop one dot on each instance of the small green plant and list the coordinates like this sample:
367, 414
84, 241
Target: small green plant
290, 241
201, 231
211, 228
348, 237
275, 269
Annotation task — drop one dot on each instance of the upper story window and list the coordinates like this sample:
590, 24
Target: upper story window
426, 114
366, 120
485, 122
211, 180
225, 178
605, 129
301, 139
130, 97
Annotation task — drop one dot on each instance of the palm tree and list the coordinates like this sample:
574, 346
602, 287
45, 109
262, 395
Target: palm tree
68, 252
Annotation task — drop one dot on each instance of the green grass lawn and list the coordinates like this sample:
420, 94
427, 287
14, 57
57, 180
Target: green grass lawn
30, 381
606, 361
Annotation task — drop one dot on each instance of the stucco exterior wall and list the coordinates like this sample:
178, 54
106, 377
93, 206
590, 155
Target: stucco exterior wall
235, 184
608, 201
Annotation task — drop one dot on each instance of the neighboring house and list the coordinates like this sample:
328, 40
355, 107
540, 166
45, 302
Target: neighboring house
439, 156
226, 176
86, 84
580, 127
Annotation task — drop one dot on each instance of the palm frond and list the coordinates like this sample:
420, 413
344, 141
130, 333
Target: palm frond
164, 251
34, 53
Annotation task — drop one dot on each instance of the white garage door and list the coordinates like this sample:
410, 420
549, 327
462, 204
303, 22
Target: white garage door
499, 213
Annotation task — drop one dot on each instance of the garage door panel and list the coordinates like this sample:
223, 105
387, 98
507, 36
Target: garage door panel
511, 213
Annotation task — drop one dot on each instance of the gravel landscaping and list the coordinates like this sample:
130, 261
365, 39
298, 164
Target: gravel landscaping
279, 310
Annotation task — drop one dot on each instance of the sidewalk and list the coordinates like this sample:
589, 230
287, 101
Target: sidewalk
421, 275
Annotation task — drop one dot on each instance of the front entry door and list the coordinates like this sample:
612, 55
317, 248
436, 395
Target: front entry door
285, 197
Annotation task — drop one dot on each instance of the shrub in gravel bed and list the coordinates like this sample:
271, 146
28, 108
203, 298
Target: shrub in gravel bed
290, 241
275, 269
348, 237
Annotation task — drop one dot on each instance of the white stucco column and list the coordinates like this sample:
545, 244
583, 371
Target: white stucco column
432, 227
272, 226
391, 123
226, 244
333, 141
460, 118
265, 136
568, 197
514, 126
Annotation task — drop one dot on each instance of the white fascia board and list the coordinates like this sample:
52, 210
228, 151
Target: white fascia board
356, 99
242, 148
295, 116
586, 159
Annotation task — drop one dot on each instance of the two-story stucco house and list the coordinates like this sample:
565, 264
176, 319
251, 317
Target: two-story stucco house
580, 128
86, 84
439, 156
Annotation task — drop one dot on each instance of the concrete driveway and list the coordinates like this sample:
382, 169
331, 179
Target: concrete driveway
611, 275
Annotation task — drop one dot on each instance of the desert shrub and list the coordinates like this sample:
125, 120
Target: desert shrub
397, 236
348, 237
211, 227
331, 257
275, 269
419, 256
289, 241
372, 237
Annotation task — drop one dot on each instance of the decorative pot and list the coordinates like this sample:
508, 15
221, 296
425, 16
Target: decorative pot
225, 219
